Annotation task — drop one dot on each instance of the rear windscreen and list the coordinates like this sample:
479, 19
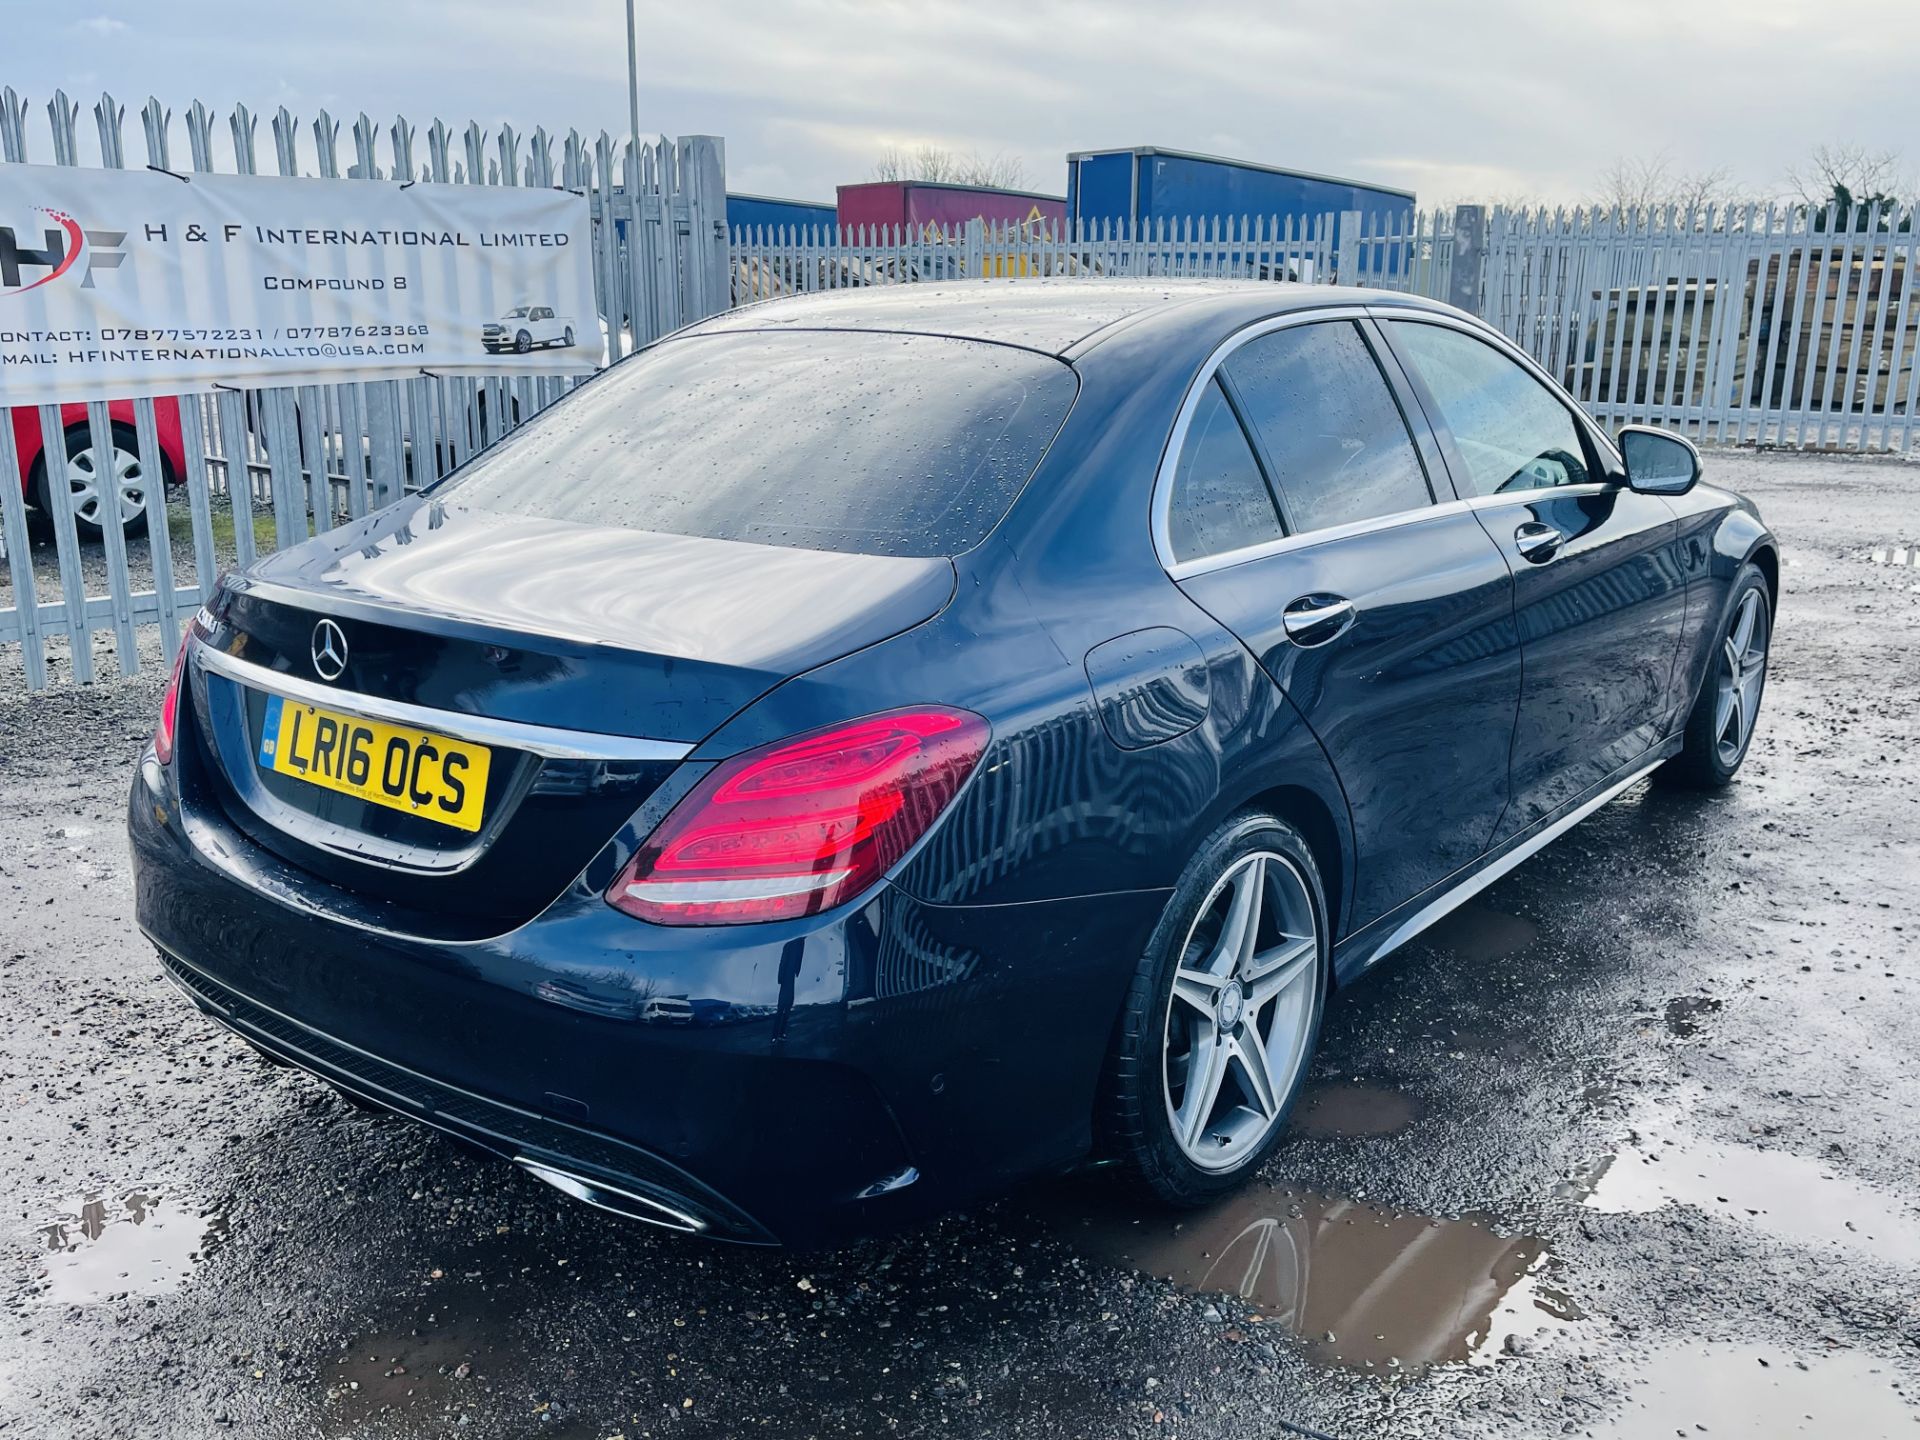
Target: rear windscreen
820, 440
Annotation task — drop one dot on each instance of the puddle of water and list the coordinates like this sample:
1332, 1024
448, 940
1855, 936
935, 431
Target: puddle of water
1724, 1390
1686, 1013
1479, 933
1354, 1110
138, 1243
1361, 1286
1785, 1194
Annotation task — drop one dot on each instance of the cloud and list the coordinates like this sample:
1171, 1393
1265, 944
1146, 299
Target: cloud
103, 25
1469, 98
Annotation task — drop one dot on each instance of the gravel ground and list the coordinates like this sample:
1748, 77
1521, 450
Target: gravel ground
1629, 1147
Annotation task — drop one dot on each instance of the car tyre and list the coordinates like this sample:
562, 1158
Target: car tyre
522, 343
84, 473
1240, 955
567, 342
1720, 727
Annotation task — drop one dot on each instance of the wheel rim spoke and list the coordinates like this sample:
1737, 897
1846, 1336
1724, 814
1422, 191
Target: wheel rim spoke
1276, 969
1249, 1055
1205, 1071
1722, 711
1743, 625
1198, 988
1242, 927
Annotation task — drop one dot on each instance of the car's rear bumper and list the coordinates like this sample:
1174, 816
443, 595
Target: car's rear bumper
840, 1074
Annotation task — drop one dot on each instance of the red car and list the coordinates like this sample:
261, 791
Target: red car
86, 471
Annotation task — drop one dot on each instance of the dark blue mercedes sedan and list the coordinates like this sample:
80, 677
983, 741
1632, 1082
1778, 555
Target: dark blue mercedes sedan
868, 748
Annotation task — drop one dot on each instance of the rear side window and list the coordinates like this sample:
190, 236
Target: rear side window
881, 444
1507, 426
1219, 500
1336, 444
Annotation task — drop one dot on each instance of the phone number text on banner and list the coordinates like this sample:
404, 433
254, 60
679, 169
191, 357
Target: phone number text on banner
127, 283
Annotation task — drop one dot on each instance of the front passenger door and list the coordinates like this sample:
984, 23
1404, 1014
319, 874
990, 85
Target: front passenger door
1599, 593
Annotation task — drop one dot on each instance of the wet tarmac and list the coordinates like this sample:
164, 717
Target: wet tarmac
1627, 1147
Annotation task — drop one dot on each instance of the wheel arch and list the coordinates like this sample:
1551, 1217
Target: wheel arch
1766, 556
1308, 812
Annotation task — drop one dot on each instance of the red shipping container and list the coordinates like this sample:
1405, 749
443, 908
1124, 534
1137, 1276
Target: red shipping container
919, 205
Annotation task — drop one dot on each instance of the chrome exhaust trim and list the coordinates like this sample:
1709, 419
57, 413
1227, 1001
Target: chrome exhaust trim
603, 1196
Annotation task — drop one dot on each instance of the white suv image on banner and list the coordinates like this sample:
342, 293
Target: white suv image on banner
527, 327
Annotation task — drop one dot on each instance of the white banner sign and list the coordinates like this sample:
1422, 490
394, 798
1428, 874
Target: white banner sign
117, 283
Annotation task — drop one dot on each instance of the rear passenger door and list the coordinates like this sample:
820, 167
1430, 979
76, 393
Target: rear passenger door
1302, 515
1598, 589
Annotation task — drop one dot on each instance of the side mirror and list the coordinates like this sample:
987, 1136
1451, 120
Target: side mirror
1658, 461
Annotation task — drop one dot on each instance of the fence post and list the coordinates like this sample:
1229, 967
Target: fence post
976, 255
1464, 281
1346, 263
703, 177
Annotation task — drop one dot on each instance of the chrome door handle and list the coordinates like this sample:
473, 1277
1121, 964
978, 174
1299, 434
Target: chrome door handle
1316, 619
1537, 542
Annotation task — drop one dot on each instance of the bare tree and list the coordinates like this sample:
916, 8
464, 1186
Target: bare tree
1847, 173
1848, 186
1651, 182
998, 171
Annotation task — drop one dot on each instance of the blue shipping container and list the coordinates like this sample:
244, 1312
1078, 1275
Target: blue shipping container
762, 210
1148, 183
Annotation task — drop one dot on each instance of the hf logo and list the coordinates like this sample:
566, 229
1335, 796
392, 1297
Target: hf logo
62, 246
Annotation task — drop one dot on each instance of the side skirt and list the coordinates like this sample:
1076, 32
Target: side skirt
1367, 947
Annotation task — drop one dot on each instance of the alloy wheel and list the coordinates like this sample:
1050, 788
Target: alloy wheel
1242, 1011
1742, 675
87, 480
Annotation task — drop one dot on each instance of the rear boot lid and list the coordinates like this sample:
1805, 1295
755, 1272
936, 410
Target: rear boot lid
569, 667
583, 627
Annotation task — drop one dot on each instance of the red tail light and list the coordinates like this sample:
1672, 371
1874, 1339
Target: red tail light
796, 827
170, 705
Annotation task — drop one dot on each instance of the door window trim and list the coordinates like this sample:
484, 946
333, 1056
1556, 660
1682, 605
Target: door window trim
1255, 452
1162, 503
1611, 467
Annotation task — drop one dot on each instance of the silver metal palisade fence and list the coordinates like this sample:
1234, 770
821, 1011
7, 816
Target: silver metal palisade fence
1406, 253
1751, 325
1767, 325
266, 468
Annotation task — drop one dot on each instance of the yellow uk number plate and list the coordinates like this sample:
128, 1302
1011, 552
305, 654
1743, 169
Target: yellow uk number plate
428, 775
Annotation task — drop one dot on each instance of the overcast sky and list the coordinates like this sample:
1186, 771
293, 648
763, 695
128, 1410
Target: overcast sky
1478, 99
